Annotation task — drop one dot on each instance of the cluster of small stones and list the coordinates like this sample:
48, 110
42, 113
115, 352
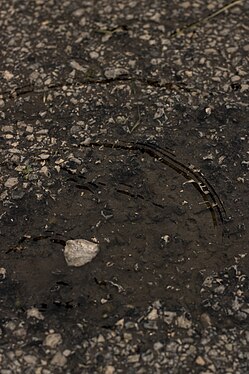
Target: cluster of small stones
226, 294
204, 54
157, 340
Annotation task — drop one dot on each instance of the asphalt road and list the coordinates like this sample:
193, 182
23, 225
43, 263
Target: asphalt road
125, 124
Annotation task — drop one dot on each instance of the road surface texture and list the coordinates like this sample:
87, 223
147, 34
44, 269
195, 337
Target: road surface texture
124, 123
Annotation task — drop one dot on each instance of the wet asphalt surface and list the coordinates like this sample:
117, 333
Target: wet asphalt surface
126, 124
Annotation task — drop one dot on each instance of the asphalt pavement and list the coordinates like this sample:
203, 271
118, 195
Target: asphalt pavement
125, 124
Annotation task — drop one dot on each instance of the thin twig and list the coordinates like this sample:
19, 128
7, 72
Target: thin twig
207, 18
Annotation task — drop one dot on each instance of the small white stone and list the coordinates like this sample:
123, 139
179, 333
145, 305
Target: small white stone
113, 73
52, 340
35, 313
79, 252
189, 73
235, 78
94, 55
87, 141
82, 22
110, 369
200, 361
7, 75
59, 359
183, 322
44, 156
75, 65
79, 12
44, 170
166, 238
153, 315
11, 182
30, 359
67, 352
159, 113
29, 129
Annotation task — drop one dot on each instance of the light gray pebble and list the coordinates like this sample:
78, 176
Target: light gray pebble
52, 340
11, 182
30, 359
59, 359
157, 346
133, 358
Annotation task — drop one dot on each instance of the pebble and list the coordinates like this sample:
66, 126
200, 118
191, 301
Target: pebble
157, 346
11, 182
183, 322
67, 352
44, 156
94, 55
59, 359
200, 361
29, 129
35, 313
44, 170
133, 358
20, 333
153, 315
113, 73
79, 252
52, 340
30, 359
205, 320
75, 65
235, 78
109, 369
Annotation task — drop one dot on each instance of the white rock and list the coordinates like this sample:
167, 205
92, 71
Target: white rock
35, 313
112, 73
11, 182
200, 361
30, 359
109, 369
79, 252
94, 55
52, 340
75, 65
59, 359
183, 322
153, 315
166, 238
7, 75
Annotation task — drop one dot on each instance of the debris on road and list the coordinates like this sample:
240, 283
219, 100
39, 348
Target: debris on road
79, 252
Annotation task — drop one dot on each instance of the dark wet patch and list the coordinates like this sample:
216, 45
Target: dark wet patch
156, 233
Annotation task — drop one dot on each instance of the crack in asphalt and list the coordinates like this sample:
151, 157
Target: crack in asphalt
154, 82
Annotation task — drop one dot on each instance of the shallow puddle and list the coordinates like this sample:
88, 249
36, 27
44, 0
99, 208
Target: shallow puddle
158, 236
